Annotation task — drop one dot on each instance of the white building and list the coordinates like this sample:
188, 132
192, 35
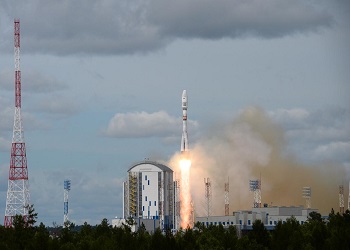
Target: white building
149, 193
269, 216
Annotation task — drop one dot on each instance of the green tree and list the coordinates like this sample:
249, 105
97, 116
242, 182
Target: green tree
339, 229
143, 237
260, 234
207, 240
231, 238
32, 216
158, 240
287, 235
315, 231
41, 237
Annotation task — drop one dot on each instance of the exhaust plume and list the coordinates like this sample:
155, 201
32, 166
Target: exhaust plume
250, 145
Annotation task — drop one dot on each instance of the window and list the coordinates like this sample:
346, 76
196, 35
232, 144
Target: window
148, 182
150, 203
270, 222
215, 223
145, 177
143, 187
275, 222
302, 222
145, 198
143, 208
248, 222
223, 223
240, 222
155, 203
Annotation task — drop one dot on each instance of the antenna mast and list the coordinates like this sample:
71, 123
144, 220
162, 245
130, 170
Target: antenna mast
255, 187
227, 199
207, 184
66, 185
341, 199
307, 196
17, 200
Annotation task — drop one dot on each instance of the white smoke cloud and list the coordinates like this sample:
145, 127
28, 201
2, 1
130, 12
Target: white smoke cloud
143, 124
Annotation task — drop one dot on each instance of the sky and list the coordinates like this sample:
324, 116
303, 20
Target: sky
102, 84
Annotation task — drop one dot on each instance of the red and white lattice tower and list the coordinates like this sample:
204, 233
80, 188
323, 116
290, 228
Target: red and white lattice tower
17, 201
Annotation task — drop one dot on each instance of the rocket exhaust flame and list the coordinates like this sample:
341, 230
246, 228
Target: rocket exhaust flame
185, 193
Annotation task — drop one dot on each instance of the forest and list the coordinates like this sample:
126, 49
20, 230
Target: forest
316, 233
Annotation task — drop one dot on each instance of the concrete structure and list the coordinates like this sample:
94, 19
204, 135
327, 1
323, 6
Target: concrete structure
269, 216
149, 193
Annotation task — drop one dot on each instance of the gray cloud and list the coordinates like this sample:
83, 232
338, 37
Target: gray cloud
5, 145
227, 18
56, 105
317, 135
35, 82
6, 116
129, 26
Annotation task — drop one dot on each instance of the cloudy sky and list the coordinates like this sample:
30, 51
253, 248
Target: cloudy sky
102, 84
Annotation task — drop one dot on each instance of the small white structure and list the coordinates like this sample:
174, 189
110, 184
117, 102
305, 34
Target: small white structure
149, 193
121, 223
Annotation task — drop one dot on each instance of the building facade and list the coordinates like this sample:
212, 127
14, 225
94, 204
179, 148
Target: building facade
149, 193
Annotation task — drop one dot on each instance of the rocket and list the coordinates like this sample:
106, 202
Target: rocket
184, 139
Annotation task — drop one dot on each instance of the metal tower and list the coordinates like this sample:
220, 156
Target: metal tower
66, 185
227, 201
341, 199
207, 185
177, 204
307, 196
17, 201
255, 186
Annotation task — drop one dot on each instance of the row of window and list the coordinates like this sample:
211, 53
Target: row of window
270, 222
226, 223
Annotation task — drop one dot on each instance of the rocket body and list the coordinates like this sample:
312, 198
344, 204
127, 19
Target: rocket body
184, 139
